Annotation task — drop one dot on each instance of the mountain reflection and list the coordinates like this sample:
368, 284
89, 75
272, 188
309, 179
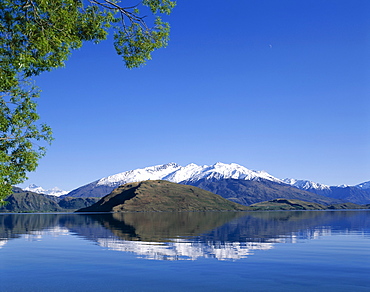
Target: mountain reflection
187, 235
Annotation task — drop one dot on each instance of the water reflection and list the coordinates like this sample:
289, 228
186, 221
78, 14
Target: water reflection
180, 249
2, 242
188, 235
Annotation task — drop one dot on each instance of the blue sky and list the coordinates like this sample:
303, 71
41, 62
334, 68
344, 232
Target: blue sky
281, 86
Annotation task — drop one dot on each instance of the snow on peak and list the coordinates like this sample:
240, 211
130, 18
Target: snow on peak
224, 171
40, 190
35, 188
141, 174
364, 186
192, 172
305, 184
184, 173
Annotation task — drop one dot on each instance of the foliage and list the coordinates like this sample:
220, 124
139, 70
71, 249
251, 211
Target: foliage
19, 133
39, 35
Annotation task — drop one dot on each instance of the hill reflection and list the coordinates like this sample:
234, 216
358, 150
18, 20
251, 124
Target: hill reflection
188, 235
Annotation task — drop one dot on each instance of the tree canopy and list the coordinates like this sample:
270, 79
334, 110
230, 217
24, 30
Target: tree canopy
39, 35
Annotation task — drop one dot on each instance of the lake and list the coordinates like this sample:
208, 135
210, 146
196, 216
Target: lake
194, 251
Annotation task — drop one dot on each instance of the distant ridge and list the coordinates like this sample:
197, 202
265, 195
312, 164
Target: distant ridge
358, 194
27, 201
39, 190
305, 184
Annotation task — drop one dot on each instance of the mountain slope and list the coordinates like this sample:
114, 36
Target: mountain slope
171, 172
161, 195
359, 194
250, 192
21, 201
349, 194
26, 201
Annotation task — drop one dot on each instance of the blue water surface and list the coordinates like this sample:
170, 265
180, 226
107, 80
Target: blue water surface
236, 251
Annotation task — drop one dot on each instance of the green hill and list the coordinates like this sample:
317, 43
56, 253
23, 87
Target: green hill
158, 195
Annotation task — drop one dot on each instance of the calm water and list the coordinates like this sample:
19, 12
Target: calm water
229, 251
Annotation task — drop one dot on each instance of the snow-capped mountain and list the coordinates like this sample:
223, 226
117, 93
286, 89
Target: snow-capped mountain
305, 184
174, 173
193, 174
359, 194
39, 190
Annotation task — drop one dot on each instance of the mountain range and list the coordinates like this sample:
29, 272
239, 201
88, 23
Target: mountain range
247, 192
358, 194
213, 178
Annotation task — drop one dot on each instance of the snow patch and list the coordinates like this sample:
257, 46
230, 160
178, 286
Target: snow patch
39, 190
364, 186
305, 184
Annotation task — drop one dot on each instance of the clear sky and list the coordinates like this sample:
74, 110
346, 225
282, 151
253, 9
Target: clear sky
281, 86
